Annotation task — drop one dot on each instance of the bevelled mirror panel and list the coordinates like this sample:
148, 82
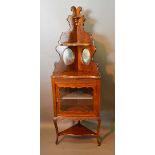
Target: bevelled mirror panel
68, 56
86, 56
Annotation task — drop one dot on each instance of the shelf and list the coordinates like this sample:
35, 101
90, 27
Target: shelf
75, 44
77, 95
76, 99
78, 130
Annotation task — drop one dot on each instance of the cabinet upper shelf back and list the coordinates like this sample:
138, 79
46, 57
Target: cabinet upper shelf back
76, 35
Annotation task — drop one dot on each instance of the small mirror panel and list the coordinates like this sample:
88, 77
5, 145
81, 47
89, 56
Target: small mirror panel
86, 56
68, 56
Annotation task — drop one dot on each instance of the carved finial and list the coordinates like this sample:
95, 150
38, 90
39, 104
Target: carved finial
76, 11
73, 9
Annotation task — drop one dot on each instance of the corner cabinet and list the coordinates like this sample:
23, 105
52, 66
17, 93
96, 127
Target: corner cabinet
76, 80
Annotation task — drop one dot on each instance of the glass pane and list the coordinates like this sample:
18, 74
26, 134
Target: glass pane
86, 56
68, 56
76, 99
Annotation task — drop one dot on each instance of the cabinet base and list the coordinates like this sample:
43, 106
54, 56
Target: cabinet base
78, 130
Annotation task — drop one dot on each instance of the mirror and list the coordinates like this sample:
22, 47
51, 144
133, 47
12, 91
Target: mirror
86, 56
68, 56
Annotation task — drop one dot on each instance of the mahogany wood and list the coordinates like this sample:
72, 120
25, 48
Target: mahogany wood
78, 76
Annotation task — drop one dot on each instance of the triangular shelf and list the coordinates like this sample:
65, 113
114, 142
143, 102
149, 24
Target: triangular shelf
78, 130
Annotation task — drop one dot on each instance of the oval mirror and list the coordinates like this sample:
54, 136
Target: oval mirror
68, 56
86, 56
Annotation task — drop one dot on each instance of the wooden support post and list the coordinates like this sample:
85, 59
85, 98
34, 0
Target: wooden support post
56, 128
98, 131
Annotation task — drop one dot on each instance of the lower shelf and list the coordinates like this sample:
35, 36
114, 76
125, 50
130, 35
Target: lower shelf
78, 130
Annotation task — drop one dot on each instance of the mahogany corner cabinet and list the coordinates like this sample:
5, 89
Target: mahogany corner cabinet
76, 80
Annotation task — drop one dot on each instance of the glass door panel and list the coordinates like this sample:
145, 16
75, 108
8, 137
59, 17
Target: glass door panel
76, 99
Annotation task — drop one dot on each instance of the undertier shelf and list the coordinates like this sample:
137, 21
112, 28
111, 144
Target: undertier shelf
78, 130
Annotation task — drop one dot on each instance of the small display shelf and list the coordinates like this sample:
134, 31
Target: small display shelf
76, 130
76, 93
76, 100
75, 44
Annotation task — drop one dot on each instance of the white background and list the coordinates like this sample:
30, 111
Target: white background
20, 77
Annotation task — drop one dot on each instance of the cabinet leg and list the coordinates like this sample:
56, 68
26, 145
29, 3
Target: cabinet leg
56, 128
98, 130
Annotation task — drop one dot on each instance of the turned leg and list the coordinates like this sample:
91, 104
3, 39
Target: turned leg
98, 130
56, 128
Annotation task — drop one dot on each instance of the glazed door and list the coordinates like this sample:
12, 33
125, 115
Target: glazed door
75, 100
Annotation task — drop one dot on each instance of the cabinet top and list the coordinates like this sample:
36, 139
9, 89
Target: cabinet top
76, 49
76, 75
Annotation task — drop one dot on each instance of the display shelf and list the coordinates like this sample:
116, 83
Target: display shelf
75, 44
78, 130
77, 95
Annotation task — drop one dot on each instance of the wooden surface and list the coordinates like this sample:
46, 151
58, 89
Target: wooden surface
76, 39
77, 130
75, 44
76, 75
94, 84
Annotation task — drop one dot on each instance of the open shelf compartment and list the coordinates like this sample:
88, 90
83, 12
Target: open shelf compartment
78, 130
76, 99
